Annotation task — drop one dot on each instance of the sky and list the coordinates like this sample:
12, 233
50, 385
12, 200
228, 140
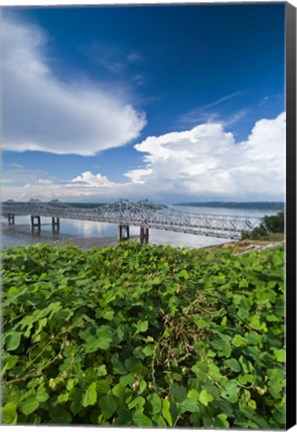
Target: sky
169, 103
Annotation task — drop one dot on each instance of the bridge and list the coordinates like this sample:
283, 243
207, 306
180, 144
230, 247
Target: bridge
124, 213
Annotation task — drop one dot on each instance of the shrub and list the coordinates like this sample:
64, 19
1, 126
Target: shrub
143, 336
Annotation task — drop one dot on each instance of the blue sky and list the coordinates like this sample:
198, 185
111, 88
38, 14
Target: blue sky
164, 102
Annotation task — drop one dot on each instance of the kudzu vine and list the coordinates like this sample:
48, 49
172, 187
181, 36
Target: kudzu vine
147, 336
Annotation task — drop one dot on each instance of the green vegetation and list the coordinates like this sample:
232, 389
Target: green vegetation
143, 336
275, 225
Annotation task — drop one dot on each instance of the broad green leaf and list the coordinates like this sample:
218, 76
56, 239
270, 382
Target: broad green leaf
233, 364
41, 394
76, 397
108, 404
127, 380
207, 422
9, 413
189, 405
101, 371
239, 341
184, 274
223, 347
252, 404
104, 335
242, 313
62, 398
119, 390
138, 401
205, 397
193, 394
280, 355
246, 365
141, 420
178, 392
148, 350
9, 362
156, 281
155, 402
13, 341
142, 326
255, 323
159, 421
124, 417
90, 395
100, 340
70, 384
231, 390
60, 415
221, 421
166, 411
29, 405
142, 387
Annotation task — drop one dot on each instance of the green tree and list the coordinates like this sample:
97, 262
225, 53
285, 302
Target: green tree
274, 224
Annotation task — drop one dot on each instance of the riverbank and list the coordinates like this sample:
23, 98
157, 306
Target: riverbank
243, 246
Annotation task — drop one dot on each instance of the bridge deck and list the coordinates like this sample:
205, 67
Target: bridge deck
143, 213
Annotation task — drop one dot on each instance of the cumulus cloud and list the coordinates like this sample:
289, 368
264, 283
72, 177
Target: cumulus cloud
203, 163
206, 161
89, 179
42, 112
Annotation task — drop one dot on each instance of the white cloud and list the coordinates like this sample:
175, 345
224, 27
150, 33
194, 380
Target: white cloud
206, 161
43, 112
202, 163
91, 180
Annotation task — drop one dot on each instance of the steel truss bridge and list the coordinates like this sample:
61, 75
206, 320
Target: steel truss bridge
124, 213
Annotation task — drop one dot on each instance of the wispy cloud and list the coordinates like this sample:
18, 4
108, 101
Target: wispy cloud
263, 101
111, 57
234, 118
224, 99
205, 113
134, 57
21, 175
15, 165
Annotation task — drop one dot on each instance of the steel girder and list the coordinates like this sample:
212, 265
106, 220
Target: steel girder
142, 213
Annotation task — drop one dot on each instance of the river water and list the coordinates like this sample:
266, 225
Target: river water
87, 234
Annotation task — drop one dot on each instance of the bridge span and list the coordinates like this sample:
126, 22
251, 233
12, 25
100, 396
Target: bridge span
124, 213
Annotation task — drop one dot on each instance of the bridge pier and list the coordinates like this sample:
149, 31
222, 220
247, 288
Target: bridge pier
10, 218
121, 230
35, 223
56, 225
144, 235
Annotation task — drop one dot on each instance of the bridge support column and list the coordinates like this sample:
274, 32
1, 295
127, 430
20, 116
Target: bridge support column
35, 223
56, 225
144, 235
123, 232
10, 218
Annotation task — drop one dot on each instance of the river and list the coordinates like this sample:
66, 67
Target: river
91, 234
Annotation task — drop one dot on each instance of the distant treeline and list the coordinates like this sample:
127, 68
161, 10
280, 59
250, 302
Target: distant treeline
237, 205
